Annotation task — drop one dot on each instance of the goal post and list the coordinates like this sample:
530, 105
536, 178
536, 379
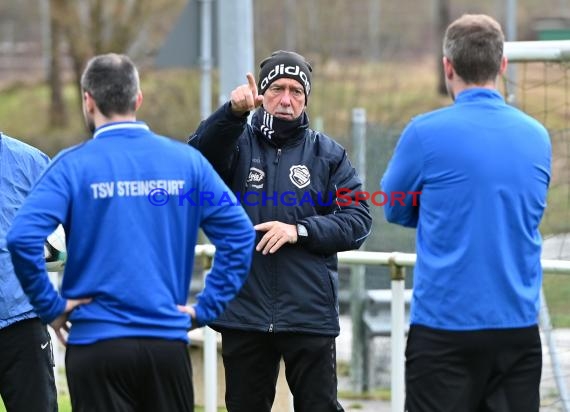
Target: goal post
538, 51
540, 86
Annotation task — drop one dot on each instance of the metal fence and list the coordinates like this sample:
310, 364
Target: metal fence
396, 262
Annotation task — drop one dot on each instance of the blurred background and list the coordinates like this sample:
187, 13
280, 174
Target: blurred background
381, 57
376, 64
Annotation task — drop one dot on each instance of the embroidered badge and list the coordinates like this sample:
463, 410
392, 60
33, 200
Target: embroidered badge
256, 178
300, 176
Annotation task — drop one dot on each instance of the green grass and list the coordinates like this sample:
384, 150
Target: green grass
65, 405
171, 107
382, 394
557, 215
557, 290
63, 402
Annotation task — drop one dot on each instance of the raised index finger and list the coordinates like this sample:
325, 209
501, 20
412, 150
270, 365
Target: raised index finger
252, 85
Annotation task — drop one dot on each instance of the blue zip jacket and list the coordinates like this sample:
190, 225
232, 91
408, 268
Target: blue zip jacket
296, 288
20, 166
131, 205
483, 170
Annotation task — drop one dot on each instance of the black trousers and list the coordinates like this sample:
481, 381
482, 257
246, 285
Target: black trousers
475, 371
251, 362
27, 382
130, 375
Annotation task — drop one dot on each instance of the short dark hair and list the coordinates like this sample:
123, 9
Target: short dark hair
112, 80
474, 45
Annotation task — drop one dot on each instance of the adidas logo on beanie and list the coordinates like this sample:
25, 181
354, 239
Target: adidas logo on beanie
285, 64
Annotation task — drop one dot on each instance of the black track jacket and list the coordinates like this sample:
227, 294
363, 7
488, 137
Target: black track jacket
308, 180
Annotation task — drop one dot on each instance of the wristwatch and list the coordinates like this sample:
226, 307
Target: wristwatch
302, 230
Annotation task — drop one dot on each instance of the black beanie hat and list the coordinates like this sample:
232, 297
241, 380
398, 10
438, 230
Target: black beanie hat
287, 64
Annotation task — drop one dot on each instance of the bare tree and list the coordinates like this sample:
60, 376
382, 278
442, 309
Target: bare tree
92, 27
57, 108
442, 20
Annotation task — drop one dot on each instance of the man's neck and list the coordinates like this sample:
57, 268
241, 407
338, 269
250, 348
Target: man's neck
461, 86
102, 120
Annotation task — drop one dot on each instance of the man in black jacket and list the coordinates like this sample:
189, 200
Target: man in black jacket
300, 190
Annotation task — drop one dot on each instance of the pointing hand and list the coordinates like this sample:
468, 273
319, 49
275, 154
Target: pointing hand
244, 98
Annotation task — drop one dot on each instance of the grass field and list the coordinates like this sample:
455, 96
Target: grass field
65, 405
557, 291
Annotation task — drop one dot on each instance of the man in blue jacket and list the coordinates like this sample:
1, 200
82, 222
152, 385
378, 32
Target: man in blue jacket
27, 381
131, 203
483, 170
288, 178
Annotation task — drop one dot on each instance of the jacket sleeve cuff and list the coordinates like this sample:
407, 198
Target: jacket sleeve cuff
201, 318
301, 240
230, 113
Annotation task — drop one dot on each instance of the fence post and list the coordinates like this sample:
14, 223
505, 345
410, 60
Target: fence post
210, 359
398, 275
358, 359
546, 327
57, 348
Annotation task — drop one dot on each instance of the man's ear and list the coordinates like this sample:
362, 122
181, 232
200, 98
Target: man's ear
139, 100
448, 68
88, 102
504, 64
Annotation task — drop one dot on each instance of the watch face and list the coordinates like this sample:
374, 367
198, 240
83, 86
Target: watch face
302, 230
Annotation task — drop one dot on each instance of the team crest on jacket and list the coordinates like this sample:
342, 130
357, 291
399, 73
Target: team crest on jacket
256, 178
300, 176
